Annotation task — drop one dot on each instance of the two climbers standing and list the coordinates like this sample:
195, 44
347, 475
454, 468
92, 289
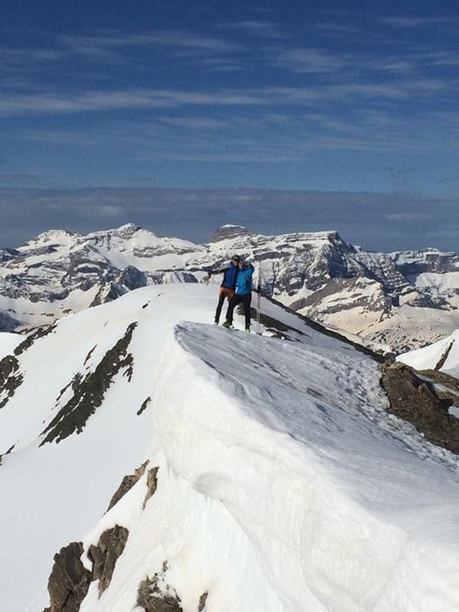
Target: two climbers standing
228, 286
237, 288
243, 294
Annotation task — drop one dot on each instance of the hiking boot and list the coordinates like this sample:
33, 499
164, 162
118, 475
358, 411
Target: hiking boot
227, 324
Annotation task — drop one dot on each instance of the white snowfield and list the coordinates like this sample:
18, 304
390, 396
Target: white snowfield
444, 353
283, 483
8, 342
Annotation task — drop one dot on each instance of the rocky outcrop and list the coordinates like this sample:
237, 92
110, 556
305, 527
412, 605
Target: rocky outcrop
69, 581
126, 484
144, 405
152, 484
7, 322
36, 334
202, 602
413, 399
89, 390
11, 378
132, 278
105, 555
155, 595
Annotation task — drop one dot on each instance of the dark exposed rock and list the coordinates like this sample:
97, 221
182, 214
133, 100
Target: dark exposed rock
126, 484
143, 406
226, 232
89, 391
155, 595
320, 328
10, 378
152, 484
7, 322
202, 601
416, 401
7, 254
444, 357
446, 387
7, 453
132, 278
69, 581
88, 356
39, 332
275, 326
105, 555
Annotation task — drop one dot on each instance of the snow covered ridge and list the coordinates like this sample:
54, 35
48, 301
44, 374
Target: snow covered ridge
380, 298
443, 356
264, 474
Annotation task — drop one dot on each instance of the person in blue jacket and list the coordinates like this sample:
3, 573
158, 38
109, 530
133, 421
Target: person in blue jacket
228, 286
243, 294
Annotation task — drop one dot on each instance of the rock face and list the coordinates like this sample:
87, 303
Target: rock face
126, 484
69, 581
10, 378
105, 555
415, 400
7, 322
376, 296
88, 390
155, 595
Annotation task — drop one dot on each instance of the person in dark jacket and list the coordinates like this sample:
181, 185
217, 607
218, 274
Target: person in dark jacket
243, 294
228, 286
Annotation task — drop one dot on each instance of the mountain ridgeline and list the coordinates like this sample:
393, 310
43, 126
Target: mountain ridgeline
378, 297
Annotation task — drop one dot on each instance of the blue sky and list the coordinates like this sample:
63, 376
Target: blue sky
333, 96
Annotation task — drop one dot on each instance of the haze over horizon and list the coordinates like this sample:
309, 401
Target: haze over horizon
279, 117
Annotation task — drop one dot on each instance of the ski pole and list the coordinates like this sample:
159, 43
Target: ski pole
259, 301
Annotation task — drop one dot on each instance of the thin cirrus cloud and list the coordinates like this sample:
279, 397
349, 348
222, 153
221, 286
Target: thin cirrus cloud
260, 29
309, 60
417, 22
174, 39
129, 99
38, 102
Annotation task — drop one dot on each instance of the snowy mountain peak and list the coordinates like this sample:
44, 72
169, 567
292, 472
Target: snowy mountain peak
228, 232
123, 231
54, 237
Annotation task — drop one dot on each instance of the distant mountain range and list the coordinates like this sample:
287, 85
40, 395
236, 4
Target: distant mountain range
401, 300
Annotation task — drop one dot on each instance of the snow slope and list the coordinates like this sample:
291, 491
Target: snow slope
8, 342
280, 488
283, 483
443, 355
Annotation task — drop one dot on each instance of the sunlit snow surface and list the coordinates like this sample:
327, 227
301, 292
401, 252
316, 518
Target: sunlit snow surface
8, 342
283, 484
444, 353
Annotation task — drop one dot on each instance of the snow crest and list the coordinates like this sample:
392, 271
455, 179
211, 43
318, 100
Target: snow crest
278, 489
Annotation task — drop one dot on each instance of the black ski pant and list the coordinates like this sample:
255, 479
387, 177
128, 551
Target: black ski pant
223, 294
245, 301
